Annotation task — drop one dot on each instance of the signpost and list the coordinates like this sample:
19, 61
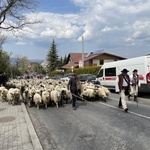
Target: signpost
72, 68
80, 63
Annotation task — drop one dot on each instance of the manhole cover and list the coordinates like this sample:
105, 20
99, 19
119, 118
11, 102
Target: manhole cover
7, 119
1, 109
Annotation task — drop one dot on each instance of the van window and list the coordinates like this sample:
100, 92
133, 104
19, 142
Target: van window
110, 72
100, 74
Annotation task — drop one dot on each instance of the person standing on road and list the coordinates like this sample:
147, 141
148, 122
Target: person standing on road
72, 86
4, 79
134, 85
1, 75
122, 85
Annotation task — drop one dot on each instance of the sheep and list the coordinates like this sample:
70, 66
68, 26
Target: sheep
108, 93
66, 95
17, 95
55, 97
31, 93
13, 96
101, 93
4, 94
46, 98
90, 94
1, 88
37, 99
25, 94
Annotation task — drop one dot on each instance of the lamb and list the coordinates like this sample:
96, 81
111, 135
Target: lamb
46, 98
55, 97
37, 99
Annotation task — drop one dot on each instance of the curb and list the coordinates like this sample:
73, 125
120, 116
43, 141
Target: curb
34, 138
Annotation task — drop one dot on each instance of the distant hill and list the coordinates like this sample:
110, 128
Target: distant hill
13, 60
36, 60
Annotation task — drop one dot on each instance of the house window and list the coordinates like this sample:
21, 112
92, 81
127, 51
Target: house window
100, 74
110, 72
101, 62
90, 62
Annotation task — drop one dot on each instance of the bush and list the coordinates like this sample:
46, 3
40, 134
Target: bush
53, 73
86, 70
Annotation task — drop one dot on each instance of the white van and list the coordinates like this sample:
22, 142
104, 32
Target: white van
109, 71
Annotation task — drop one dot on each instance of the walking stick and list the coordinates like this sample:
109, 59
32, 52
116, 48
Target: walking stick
79, 97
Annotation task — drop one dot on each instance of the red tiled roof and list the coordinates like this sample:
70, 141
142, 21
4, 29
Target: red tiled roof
69, 65
75, 57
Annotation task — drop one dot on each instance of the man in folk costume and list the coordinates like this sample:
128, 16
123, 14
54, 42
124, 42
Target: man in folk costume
123, 84
134, 84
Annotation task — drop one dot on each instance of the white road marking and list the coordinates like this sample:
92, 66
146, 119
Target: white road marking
136, 114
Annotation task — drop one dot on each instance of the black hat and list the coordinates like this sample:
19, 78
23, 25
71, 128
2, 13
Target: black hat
124, 71
135, 70
75, 75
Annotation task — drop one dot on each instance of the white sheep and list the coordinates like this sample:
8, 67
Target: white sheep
55, 97
37, 99
4, 94
101, 93
89, 94
16, 95
108, 93
10, 95
46, 98
31, 93
1, 88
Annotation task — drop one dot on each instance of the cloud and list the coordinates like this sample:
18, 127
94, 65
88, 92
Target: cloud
104, 23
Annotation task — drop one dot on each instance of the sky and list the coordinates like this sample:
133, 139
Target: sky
119, 27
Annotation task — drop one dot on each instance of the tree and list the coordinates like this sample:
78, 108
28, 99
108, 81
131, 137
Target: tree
4, 62
65, 60
12, 13
52, 58
2, 40
60, 63
24, 63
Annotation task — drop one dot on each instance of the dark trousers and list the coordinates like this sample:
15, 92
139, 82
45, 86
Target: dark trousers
74, 92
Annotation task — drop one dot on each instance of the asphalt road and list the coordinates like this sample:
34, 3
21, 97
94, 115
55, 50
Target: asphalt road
94, 126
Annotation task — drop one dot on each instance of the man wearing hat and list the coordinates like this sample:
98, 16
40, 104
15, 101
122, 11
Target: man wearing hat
122, 85
134, 84
72, 86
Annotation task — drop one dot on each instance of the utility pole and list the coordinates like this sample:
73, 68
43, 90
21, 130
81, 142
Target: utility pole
82, 51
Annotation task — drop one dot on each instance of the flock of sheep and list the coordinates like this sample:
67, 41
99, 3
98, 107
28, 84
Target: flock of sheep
48, 92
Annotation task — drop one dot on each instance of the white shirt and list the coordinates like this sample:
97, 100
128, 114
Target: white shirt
131, 80
123, 84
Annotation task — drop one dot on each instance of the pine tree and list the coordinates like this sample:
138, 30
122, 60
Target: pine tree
52, 58
65, 60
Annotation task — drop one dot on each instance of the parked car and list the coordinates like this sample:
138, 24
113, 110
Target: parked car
66, 77
87, 77
57, 77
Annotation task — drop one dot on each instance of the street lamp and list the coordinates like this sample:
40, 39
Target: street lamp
72, 68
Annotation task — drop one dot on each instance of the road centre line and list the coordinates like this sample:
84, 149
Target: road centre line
136, 114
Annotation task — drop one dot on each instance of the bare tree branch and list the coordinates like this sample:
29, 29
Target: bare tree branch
12, 13
3, 39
